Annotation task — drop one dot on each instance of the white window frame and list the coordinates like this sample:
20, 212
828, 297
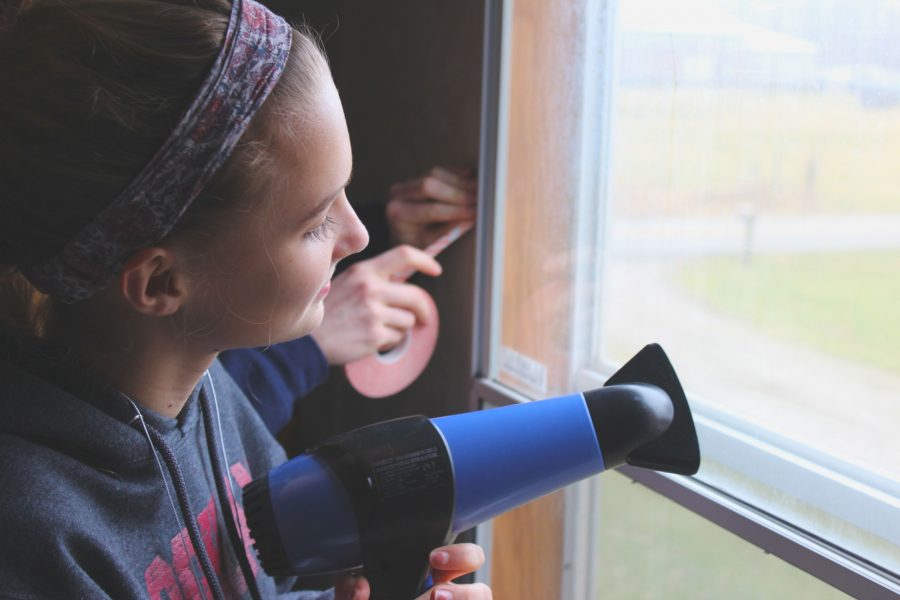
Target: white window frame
787, 466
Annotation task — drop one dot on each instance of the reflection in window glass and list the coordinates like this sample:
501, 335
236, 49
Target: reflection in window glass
546, 73
754, 225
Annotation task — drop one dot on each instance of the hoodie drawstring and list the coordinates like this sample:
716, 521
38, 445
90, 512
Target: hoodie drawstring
157, 441
191, 523
225, 500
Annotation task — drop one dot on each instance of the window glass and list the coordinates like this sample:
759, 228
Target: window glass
722, 178
540, 194
754, 231
649, 544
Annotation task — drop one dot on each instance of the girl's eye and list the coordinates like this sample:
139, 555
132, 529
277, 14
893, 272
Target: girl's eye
322, 231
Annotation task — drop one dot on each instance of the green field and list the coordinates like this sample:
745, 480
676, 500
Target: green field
705, 151
843, 304
650, 548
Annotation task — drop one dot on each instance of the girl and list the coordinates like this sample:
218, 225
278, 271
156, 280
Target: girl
172, 178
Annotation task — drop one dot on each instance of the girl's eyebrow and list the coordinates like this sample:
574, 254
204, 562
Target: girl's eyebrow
321, 206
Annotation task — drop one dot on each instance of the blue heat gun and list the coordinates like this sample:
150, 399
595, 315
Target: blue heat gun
385, 495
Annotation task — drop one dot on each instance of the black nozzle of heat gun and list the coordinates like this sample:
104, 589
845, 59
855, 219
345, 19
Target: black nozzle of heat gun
642, 416
626, 417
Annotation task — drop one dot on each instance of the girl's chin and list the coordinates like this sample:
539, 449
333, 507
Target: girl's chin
311, 319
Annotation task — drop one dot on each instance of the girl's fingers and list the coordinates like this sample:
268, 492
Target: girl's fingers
430, 212
464, 558
447, 187
439, 189
405, 258
408, 297
471, 591
390, 339
460, 178
398, 319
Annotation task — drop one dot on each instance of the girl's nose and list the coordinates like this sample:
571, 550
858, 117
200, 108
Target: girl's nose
352, 235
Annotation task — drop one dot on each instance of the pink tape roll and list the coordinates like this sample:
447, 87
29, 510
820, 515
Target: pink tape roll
387, 373
383, 374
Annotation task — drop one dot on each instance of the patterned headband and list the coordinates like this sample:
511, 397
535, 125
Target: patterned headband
246, 70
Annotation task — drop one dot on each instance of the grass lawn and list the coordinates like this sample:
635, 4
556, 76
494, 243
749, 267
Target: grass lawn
843, 304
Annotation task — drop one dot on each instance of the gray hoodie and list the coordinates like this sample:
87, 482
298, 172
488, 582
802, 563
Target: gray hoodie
89, 509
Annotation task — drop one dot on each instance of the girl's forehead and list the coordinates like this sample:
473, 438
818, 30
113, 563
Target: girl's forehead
314, 161
317, 156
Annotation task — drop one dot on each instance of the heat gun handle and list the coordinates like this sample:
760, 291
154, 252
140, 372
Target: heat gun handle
398, 475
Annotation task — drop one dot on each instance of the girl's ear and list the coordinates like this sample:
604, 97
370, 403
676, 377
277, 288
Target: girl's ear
151, 284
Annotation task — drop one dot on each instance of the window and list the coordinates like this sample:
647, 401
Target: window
650, 547
722, 178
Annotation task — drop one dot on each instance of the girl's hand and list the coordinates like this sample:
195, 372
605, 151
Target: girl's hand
421, 210
447, 563
450, 562
367, 310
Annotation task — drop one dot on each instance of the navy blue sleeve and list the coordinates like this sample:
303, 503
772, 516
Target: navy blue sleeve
276, 377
